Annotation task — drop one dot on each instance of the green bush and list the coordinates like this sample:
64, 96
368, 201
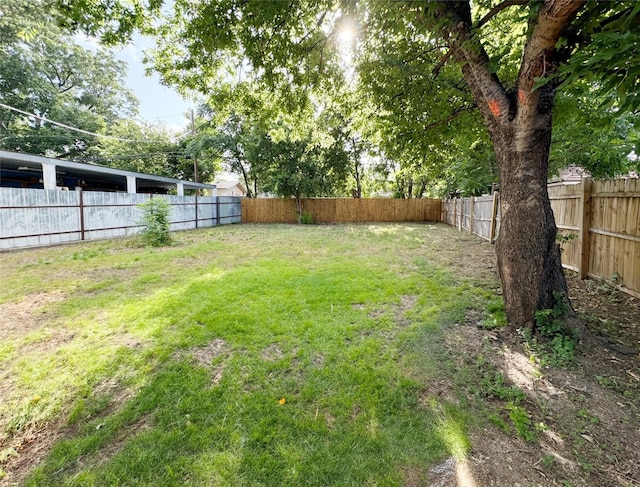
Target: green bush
155, 219
306, 218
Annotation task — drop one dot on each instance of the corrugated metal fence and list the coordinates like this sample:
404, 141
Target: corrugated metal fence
36, 217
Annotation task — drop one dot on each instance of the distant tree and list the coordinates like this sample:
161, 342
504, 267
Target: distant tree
150, 148
303, 169
48, 74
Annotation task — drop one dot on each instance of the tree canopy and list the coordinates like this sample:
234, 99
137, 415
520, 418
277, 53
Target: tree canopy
45, 72
413, 105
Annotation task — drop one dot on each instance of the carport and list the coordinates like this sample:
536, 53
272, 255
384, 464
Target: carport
20, 170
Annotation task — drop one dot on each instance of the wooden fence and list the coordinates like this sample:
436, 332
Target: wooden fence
342, 210
478, 215
604, 217
601, 220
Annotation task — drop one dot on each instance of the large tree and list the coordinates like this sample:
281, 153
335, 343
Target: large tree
46, 73
505, 58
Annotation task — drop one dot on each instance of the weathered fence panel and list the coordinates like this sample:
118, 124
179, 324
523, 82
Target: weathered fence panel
483, 216
342, 210
599, 220
35, 217
30, 217
229, 209
565, 203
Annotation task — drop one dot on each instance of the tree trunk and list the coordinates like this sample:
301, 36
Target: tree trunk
529, 259
527, 250
356, 167
519, 124
299, 208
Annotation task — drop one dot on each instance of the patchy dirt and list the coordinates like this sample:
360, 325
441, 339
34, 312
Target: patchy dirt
574, 425
20, 318
608, 312
208, 357
28, 450
272, 353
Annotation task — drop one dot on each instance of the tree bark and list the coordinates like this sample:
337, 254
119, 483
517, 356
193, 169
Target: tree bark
528, 253
519, 125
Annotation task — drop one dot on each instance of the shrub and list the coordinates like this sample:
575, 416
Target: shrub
155, 219
306, 218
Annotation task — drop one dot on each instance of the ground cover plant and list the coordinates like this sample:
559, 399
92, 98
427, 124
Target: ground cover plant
291, 355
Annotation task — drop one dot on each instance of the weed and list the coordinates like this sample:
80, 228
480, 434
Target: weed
560, 340
583, 462
496, 419
548, 460
155, 219
521, 420
565, 238
306, 218
497, 317
493, 384
606, 287
584, 414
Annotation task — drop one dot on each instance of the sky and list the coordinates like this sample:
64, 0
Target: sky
157, 102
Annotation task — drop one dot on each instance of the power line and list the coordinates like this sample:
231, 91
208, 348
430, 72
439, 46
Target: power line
69, 127
136, 156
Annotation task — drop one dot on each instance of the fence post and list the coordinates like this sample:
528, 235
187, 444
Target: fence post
217, 210
585, 224
494, 215
472, 202
196, 208
81, 202
455, 211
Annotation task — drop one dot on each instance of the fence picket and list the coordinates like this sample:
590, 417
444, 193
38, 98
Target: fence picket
604, 215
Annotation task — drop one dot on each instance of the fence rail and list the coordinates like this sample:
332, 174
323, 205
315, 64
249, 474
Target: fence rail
36, 217
600, 220
342, 210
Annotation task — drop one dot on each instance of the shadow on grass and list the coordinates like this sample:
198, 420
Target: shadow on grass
314, 389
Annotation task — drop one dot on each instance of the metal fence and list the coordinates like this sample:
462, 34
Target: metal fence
36, 217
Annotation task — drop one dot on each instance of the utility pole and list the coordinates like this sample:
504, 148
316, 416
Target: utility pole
195, 157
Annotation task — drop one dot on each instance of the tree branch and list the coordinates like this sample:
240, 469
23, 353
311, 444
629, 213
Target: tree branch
538, 56
440, 65
488, 93
499, 8
455, 114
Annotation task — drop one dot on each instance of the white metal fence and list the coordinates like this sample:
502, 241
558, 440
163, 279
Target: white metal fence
36, 217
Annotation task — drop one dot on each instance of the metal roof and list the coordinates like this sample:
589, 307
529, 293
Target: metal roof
17, 161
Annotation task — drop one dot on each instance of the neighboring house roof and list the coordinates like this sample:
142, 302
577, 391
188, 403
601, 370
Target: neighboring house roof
228, 186
575, 174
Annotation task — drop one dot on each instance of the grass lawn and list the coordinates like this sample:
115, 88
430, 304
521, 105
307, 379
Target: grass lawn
242, 355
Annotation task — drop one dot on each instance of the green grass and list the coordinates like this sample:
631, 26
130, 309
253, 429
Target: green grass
329, 338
